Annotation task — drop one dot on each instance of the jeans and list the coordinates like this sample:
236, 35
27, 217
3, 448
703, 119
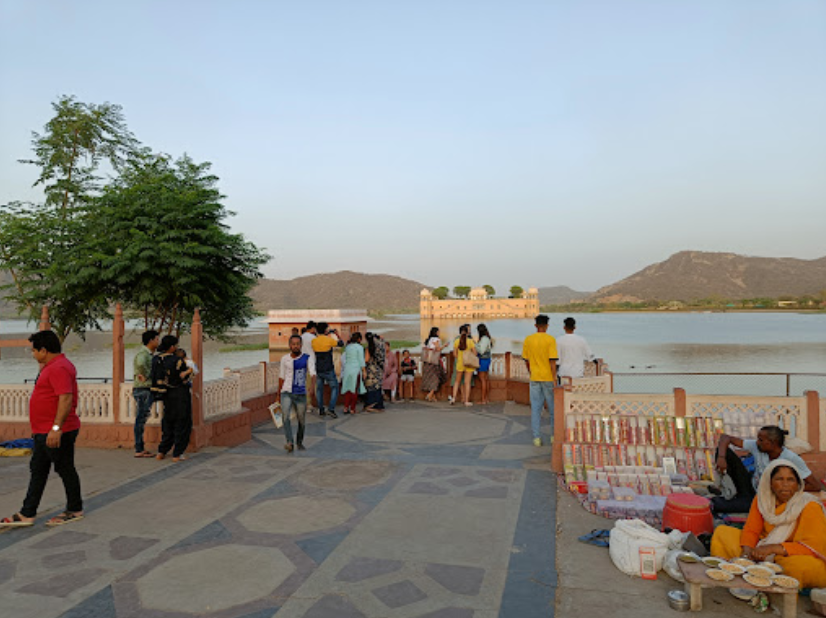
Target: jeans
328, 377
290, 402
63, 458
176, 425
143, 402
541, 392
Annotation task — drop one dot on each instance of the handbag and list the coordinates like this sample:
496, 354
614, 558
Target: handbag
431, 356
469, 359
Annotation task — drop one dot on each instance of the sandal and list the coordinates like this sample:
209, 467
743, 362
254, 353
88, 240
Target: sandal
143, 454
596, 537
64, 518
15, 521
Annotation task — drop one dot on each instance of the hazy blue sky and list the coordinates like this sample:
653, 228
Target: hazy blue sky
457, 142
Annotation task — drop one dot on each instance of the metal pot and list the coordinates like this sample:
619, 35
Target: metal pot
678, 600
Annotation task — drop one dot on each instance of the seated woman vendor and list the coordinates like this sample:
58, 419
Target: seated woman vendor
784, 522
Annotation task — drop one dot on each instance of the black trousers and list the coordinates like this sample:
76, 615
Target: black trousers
176, 425
741, 502
63, 459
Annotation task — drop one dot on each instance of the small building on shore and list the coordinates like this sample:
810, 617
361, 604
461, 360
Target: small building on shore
282, 322
479, 305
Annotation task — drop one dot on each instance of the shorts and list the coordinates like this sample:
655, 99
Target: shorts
406, 378
484, 364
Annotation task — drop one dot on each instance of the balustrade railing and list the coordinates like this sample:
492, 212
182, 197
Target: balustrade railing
273, 373
222, 396
744, 416
14, 402
610, 403
128, 407
252, 380
94, 403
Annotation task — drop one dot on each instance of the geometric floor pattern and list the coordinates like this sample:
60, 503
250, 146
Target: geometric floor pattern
424, 511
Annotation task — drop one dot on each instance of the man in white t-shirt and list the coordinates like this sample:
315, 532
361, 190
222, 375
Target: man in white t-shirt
574, 352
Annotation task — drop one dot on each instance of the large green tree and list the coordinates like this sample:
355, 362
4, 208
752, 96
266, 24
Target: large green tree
461, 291
517, 291
441, 292
490, 290
167, 249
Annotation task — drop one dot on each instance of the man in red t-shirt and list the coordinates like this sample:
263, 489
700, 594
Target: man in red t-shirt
55, 426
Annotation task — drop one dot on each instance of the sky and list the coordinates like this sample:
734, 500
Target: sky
457, 142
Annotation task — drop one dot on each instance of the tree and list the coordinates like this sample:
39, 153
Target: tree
167, 250
489, 289
516, 291
75, 142
461, 291
441, 292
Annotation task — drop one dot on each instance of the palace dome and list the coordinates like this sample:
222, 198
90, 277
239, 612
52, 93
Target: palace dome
425, 292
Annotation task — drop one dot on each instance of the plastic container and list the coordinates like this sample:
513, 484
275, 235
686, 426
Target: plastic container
819, 600
678, 600
688, 513
624, 494
599, 490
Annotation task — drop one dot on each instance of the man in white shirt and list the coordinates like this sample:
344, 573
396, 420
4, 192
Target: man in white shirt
574, 352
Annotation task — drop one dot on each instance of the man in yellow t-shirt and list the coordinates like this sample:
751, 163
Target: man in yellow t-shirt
540, 355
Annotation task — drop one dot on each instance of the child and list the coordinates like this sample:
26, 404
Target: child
408, 375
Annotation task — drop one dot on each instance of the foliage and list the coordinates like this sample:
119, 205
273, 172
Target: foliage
461, 291
153, 238
441, 292
166, 249
516, 291
403, 344
74, 143
244, 347
489, 289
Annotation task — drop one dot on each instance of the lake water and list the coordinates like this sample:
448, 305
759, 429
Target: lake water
647, 343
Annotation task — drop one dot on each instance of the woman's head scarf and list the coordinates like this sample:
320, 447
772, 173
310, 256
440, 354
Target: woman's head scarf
785, 522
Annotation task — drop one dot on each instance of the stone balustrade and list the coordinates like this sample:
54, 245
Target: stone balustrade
223, 396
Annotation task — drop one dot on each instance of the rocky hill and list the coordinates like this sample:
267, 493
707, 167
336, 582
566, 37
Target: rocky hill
560, 295
692, 275
341, 290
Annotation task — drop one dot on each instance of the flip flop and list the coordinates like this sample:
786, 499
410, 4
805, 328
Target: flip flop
596, 537
64, 518
15, 521
143, 455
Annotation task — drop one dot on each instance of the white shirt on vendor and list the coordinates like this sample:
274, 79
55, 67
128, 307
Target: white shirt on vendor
295, 371
574, 351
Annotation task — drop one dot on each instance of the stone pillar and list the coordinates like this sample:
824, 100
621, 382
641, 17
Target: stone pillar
558, 429
118, 364
263, 368
44, 319
679, 402
197, 347
507, 366
813, 419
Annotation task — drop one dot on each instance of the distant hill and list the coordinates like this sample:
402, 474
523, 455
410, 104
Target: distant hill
341, 290
560, 295
692, 275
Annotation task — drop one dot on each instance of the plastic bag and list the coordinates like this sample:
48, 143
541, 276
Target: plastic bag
629, 535
670, 564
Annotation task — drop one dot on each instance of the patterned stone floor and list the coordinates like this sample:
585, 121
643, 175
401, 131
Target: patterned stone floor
425, 511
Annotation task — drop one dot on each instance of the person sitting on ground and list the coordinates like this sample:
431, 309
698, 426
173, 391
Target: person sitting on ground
769, 445
783, 522
408, 375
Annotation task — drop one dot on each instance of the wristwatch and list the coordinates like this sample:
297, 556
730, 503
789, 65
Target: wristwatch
55, 427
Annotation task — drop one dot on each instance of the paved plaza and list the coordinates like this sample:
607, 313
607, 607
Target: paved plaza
424, 511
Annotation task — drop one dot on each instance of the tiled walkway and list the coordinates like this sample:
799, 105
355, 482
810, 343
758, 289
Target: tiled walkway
420, 512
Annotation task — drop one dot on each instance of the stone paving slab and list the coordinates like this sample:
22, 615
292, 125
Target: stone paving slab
420, 512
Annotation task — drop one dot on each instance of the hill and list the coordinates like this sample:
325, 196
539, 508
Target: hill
560, 295
344, 289
693, 275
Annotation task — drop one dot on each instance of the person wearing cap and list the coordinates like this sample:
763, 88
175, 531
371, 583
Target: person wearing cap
574, 352
540, 355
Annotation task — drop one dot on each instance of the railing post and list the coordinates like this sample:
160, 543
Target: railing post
813, 418
118, 365
507, 366
788, 384
262, 366
558, 428
44, 319
197, 348
679, 402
